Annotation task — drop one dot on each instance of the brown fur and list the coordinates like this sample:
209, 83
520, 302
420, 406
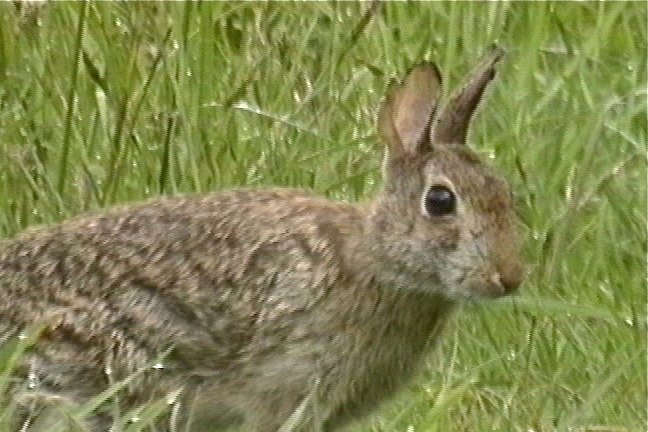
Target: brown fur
272, 305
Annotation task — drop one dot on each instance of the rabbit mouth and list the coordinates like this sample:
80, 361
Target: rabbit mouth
477, 285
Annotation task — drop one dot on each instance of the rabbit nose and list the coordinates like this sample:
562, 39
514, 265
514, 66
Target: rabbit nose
511, 278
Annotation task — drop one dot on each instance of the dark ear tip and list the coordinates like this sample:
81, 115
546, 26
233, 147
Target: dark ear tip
495, 54
391, 86
496, 50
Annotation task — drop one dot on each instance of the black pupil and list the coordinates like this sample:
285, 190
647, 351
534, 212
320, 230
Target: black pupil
440, 201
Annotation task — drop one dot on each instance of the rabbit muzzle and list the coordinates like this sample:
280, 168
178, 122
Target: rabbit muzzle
499, 276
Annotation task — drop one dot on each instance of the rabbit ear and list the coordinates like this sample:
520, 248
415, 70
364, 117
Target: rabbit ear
452, 124
405, 115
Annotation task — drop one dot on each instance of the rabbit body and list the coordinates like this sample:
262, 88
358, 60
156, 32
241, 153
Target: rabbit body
272, 306
170, 273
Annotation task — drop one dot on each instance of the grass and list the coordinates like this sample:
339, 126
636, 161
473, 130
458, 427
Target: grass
106, 103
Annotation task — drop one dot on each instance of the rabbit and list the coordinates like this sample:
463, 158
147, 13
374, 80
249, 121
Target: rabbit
270, 308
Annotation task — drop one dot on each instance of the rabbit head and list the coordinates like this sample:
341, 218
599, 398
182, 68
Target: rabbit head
444, 221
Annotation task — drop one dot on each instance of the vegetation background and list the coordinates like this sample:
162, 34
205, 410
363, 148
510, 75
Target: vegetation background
107, 103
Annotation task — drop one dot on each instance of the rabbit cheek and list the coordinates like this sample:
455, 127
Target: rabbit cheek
449, 238
466, 276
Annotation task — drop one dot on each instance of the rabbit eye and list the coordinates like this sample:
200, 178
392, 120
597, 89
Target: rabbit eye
440, 201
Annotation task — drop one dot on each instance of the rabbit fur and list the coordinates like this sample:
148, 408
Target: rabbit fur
271, 307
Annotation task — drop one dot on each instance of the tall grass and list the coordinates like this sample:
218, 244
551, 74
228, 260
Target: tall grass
106, 103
